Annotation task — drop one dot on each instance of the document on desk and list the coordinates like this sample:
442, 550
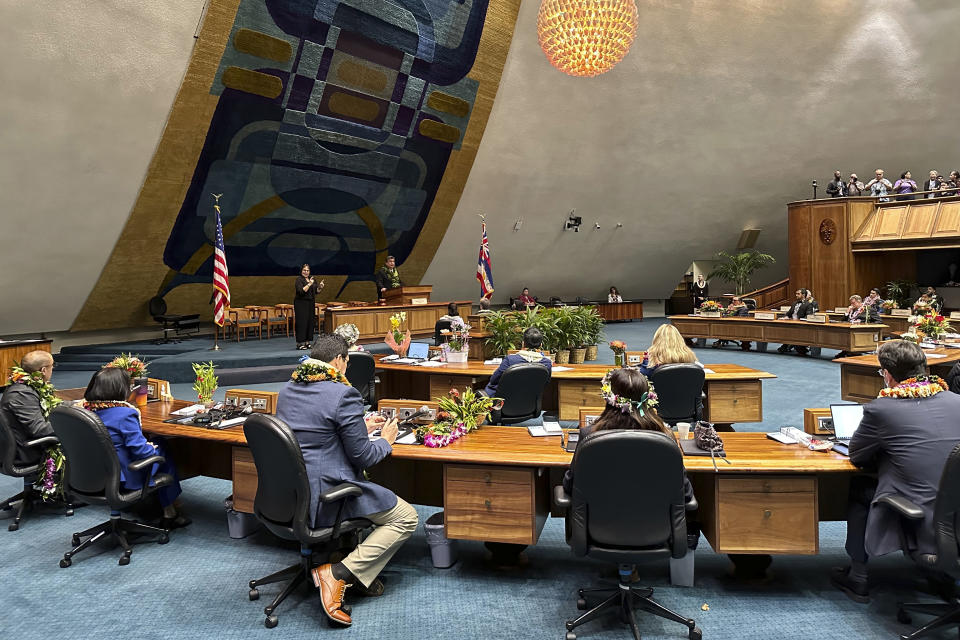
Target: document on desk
708, 370
547, 429
558, 368
432, 363
495, 361
936, 355
187, 411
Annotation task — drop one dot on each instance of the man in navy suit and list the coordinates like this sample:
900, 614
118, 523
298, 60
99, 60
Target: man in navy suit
327, 418
532, 341
906, 440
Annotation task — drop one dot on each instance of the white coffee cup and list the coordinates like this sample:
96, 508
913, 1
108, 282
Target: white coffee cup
683, 430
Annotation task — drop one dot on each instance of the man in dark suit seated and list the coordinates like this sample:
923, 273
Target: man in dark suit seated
326, 415
905, 436
21, 408
800, 308
532, 341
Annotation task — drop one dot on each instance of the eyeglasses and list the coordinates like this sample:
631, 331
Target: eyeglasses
880, 372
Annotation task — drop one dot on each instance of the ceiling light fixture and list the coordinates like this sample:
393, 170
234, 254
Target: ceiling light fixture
586, 37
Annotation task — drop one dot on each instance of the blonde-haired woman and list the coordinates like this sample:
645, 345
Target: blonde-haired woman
668, 347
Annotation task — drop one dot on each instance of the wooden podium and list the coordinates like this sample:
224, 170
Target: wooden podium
408, 295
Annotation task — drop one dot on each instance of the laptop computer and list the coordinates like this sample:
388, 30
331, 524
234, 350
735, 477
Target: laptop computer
846, 418
418, 351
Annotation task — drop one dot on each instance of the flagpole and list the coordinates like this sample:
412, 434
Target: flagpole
216, 327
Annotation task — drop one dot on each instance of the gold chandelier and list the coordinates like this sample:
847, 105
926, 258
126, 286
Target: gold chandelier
586, 37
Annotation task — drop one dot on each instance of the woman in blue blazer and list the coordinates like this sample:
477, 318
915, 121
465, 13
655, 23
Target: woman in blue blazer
106, 396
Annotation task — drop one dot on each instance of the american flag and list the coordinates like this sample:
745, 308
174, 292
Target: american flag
484, 268
221, 280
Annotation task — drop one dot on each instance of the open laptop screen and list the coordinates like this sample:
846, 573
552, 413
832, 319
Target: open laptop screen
846, 419
419, 350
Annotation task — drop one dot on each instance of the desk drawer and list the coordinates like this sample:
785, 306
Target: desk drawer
489, 498
488, 475
490, 527
767, 515
729, 401
440, 385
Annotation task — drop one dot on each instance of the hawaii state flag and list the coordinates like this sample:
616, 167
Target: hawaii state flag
221, 281
484, 268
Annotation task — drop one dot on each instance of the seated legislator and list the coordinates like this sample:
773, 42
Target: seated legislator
484, 307
525, 300
326, 415
930, 297
21, 406
614, 296
630, 404
532, 341
106, 396
452, 312
348, 332
905, 437
800, 308
387, 277
667, 347
736, 309
857, 312
874, 301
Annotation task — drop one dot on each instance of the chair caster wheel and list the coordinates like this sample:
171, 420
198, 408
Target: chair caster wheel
13, 527
903, 617
570, 636
65, 562
270, 622
581, 604
695, 634
252, 584
254, 594
124, 560
164, 538
579, 593
75, 540
69, 512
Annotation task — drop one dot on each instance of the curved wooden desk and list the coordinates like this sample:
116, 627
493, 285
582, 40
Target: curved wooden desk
861, 382
842, 336
734, 392
373, 322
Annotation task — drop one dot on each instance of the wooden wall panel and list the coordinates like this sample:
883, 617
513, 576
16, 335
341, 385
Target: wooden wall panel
829, 261
799, 236
875, 269
948, 224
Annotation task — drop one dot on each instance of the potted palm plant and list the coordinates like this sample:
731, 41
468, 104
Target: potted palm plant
738, 267
504, 334
594, 329
548, 321
576, 331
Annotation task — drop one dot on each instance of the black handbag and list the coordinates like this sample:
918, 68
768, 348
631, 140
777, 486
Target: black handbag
707, 439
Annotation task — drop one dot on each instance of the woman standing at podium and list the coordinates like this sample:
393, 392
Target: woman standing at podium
304, 309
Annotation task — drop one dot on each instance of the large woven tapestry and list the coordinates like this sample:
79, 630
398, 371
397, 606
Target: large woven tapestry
337, 132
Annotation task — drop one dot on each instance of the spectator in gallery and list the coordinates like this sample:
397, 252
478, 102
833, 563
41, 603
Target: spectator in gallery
525, 300
837, 188
948, 186
905, 186
931, 184
854, 187
614, 296
879, 186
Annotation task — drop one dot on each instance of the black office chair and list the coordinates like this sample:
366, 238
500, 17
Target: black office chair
282, 504
361, 373
179, 324
92, 474
10, 466
627, 506
946, 518
437, 328
750, 302
521, 387
679, 389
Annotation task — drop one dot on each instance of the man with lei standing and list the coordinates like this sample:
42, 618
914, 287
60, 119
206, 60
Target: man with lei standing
905, 436
326, 415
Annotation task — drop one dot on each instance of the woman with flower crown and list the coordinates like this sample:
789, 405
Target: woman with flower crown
106, 396
630, 404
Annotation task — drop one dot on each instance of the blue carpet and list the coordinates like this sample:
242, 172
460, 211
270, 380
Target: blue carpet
196, 587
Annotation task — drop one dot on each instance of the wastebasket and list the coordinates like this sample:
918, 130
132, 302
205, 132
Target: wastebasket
443, 551
239, 524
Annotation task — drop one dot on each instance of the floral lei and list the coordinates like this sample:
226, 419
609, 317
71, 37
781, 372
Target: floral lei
918, 387
646, 401
50, 479
317, 371
100, 405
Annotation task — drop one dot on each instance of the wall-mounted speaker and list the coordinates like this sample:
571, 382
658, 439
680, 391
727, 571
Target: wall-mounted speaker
748, 239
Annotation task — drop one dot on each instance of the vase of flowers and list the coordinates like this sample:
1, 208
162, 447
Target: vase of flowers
458, 413
205, 382
455, 349
932, 325
619, 348
887, 306
711, 309
398, 338
137, 369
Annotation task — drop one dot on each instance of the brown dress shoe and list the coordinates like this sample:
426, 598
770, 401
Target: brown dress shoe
331, 593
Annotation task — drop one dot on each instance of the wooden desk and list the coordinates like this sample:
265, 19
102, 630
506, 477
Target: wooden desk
12, 351
612, 311
734, 393
833, 335
861, 382
895, 324
495, 483
373, 322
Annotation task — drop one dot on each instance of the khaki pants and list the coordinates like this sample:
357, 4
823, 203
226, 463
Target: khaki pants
391, 529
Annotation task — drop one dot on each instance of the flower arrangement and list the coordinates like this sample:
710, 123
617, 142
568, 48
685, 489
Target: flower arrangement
130, 363
888, 305
922, 308
459, 334
457, 414
930, 324
348, 332
396, 339
711, 306
618, 347
46, 391
206, 382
